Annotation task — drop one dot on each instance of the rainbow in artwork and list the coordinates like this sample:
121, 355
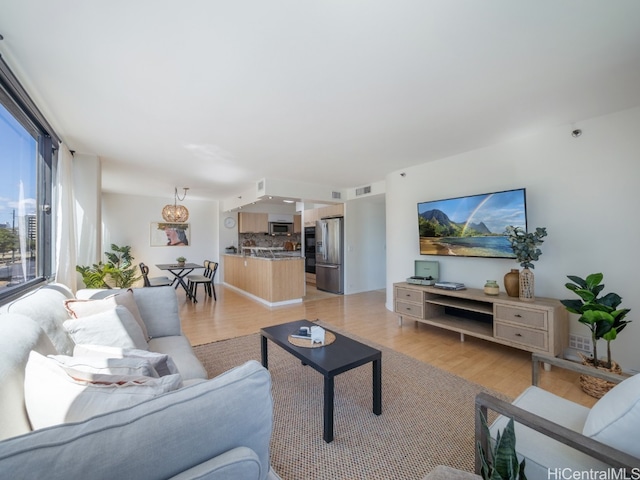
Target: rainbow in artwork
471, 226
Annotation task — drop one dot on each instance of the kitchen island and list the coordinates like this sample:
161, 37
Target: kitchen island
273, 281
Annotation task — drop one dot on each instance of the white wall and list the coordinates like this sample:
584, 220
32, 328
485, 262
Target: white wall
127, 220
585, 190
365, 244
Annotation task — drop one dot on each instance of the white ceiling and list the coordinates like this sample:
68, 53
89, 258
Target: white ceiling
214, 95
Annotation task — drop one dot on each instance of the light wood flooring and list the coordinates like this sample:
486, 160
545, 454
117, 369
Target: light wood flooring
497, 367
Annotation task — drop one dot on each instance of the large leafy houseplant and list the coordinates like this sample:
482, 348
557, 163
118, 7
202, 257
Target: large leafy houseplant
525, 244
500, 462
118, 272
601, 314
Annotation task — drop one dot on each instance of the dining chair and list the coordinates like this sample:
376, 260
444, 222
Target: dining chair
154, 281
206, 278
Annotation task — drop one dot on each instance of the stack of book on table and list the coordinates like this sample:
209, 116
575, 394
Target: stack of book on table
450, 285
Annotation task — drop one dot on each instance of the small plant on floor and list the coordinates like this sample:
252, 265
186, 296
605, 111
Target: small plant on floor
500, 462
118, 272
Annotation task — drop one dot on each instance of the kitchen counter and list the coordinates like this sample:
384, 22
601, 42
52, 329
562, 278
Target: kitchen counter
270, 280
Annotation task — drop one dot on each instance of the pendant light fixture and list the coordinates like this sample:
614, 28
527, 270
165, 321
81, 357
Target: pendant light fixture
176, 213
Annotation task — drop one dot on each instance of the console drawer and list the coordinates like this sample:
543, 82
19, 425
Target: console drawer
410, 309
408, 295
529, 318
524, 336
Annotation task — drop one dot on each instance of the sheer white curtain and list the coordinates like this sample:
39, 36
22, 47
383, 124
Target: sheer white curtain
65, 221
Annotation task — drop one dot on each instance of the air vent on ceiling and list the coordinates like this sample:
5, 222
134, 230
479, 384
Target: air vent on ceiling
363, 190
336, 195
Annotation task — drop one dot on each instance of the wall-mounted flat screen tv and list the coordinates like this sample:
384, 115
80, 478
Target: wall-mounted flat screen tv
471, 226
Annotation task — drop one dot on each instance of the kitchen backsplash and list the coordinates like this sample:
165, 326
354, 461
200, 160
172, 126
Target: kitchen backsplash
262, 240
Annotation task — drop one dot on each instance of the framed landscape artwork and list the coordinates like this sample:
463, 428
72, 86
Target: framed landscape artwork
165, 234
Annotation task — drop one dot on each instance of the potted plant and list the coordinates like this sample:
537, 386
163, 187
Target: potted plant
181, 261
604, 318
500, 461
118, 272
525, 247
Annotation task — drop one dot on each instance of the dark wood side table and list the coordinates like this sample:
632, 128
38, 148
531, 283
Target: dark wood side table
330, 360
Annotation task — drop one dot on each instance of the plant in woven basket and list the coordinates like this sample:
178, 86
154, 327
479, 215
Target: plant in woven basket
601, 314
500, 462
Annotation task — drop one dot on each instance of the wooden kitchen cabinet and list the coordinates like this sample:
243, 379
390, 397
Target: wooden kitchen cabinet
297, 224
253, 222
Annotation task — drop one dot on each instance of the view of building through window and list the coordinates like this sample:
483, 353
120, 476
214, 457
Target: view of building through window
18, 192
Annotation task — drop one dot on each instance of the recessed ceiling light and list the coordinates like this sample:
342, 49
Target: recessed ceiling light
288, 201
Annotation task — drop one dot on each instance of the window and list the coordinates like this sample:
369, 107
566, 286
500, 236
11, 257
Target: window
26, 161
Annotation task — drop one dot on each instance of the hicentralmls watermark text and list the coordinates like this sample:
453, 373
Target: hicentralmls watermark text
607, 474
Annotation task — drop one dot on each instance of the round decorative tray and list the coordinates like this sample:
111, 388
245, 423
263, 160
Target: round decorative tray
329, 338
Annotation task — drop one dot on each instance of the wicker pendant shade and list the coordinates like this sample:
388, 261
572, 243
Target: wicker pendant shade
176, 213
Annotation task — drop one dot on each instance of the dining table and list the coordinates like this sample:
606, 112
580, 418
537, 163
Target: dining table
179, 271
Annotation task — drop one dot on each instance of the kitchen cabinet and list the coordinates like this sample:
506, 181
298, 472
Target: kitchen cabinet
314, 214
297, 224
310, 217
336, 210
253, 222
538, 326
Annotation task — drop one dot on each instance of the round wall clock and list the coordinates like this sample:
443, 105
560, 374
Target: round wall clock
229, 222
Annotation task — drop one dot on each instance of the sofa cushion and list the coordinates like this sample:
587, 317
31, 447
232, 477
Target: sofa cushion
181, 352
45, 306
53, 395
105, 366
615, 419
83, 308
159, 309
19, 336
115, 328
155, 439
161, 362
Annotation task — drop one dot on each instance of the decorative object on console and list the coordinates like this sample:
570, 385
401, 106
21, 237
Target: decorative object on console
512, 282
181, 261
491, 288
604, 319
176, 213
524, 245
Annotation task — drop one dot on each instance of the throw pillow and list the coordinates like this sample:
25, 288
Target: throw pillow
615, 419
89, 366
53, 396
84, 308
161, 362
115, 328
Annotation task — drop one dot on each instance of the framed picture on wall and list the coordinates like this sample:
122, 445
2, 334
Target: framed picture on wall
165, 234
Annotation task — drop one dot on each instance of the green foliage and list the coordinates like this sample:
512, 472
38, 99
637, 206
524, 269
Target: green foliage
8, 240
599, 314
524, 245
118, 272
501, 461
181, 259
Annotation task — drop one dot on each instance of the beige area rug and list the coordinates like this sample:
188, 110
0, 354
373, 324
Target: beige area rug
427, 415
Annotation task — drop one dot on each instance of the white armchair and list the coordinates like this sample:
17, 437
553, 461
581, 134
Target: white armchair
557, 436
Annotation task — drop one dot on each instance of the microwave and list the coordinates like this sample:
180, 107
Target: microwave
280, 228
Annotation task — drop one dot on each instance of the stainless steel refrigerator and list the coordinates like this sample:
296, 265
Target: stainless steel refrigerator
330, 255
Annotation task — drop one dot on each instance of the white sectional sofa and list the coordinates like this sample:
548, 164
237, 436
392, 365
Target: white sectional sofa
213, 429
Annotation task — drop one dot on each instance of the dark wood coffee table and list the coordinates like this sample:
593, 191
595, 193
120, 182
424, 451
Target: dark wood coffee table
330, 360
